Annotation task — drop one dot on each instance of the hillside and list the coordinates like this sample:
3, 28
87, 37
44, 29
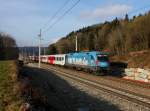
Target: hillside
118, 37
138, 59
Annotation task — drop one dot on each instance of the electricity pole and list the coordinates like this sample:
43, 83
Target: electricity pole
40, 48
76, 43
44, 51
33, 51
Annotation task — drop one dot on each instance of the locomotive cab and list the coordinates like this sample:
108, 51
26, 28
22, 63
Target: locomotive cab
103, 62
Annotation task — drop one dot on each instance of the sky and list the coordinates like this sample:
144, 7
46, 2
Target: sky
23, 19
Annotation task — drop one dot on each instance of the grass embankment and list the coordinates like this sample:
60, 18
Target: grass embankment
9, 87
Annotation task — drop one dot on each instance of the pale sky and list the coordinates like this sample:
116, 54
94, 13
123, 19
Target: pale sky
23, 18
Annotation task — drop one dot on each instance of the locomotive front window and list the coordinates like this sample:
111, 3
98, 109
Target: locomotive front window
102, 58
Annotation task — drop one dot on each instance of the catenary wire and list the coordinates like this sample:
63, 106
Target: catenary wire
56, 13
67, 11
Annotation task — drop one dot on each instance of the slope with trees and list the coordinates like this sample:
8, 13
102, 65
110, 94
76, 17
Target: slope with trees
119, 37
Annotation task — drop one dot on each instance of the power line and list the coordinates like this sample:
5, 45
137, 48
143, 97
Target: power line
55, 14
67, 11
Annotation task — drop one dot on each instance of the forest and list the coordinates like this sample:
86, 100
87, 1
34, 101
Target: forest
119, 37
8, 47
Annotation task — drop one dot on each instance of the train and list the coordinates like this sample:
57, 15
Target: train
93, 61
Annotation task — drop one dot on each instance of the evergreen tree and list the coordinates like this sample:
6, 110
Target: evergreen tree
126, 18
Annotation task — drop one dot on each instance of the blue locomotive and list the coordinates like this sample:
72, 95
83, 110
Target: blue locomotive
93, 61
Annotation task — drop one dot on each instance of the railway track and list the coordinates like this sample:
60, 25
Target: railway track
131, 82
126, 81
114, 78
124, 94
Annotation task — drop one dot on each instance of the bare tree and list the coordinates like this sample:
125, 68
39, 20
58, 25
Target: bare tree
8, 47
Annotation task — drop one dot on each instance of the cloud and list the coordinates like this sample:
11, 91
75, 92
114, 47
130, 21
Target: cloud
106, 12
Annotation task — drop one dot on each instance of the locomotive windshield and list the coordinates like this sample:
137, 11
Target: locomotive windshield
102, 58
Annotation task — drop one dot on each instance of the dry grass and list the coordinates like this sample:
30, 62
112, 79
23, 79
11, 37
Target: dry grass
9, 97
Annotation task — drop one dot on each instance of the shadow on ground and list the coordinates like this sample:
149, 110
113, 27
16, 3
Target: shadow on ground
49, 91
118, 68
